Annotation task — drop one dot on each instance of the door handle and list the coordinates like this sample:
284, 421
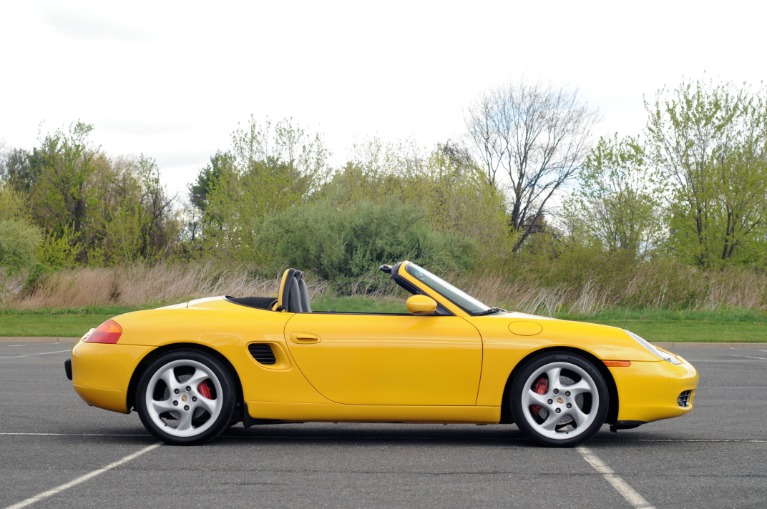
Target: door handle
303, 338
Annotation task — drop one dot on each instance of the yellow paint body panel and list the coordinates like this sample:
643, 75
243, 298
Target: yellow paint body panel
379, 413
366, 367
648, 391
101, 373
388, 359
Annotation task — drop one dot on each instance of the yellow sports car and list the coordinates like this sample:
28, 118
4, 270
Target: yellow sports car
194, 369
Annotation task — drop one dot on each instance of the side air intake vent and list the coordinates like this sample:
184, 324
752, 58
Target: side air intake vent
262, 352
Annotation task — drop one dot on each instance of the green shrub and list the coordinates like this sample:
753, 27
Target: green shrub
60, 251
37, 277
346, 245
19, 242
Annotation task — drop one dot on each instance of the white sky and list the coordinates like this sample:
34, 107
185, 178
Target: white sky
172, 79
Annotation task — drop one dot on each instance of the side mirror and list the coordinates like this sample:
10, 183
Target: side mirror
421, 305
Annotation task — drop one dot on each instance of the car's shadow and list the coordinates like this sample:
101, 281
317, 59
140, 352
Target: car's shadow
374, 435
422, 435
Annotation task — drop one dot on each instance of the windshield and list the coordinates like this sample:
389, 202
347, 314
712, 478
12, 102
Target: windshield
456, 296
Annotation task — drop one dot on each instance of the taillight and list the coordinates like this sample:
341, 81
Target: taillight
107, 332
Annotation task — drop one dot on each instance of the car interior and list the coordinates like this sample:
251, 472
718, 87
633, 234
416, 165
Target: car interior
293, 296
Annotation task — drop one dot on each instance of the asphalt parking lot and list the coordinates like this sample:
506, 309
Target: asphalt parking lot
55, 451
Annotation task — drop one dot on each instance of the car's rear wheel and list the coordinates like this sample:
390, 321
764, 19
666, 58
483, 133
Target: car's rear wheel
559, 399
185, 397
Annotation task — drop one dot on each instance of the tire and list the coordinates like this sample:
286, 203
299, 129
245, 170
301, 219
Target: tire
559, 399
185, 397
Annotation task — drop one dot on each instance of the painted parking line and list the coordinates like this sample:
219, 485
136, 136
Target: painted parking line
43, 434
630, 494
751, 357
32, 354
706, 440
81, 479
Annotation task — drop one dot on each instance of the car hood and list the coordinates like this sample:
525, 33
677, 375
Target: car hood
525, 316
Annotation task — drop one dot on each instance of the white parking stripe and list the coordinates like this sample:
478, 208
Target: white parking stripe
81, 479
751, 357
630, 494
32, 354
32, 434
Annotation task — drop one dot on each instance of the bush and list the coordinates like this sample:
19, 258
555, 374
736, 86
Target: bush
19, 242
60, 251
346, 245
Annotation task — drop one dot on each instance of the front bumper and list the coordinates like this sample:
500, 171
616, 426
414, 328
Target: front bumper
650, 391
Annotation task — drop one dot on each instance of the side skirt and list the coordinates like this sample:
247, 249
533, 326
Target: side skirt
259, 411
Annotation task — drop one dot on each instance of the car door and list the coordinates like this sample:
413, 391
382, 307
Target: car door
388, 359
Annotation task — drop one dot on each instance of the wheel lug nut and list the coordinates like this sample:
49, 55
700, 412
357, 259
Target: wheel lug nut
569, 405
556, 391
188, 388
176, 391
194, 398
186, 407
558, 410
175, 403
551, 401
567, 393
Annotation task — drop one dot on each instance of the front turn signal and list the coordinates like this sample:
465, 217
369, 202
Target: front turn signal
108, 332
617, 364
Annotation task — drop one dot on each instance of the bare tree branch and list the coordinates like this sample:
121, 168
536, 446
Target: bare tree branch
534, 137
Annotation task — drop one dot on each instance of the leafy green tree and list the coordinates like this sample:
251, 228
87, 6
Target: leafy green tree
268, 169
92, 209
709, 140
59, 197
376, 172
11, 203
206, 179
19, 239
618, 197
461, 203
139, 222
20, 169
448, 187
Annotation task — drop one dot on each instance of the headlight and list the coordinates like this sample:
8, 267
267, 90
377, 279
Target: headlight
660, 353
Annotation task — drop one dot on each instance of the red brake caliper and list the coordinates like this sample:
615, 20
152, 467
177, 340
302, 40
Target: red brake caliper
204, 389
541, 386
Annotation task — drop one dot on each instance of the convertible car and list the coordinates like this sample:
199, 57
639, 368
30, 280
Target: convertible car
192, 370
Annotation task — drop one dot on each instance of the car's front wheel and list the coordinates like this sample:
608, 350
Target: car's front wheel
185, 397
559, 399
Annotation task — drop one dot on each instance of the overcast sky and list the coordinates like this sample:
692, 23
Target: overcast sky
172, 79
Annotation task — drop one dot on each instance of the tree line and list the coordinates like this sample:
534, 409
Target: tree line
527, 190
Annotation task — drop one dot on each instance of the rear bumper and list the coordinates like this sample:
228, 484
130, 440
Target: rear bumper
101, 373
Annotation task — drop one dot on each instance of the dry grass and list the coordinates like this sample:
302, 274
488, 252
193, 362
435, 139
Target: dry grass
139, 286
650, 286
493, 289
